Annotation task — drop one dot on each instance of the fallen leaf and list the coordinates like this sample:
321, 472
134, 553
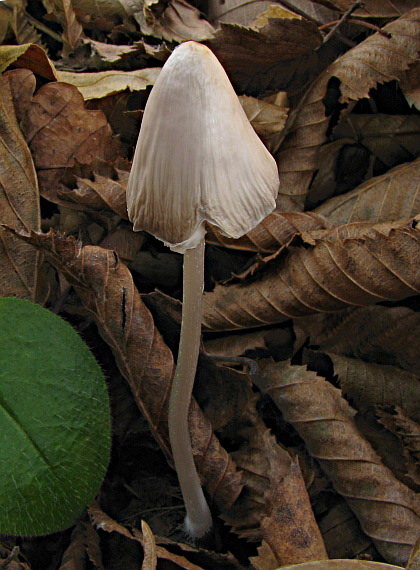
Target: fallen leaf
20, 264
108, 293
28, 56
349, 265
275, 231
105, 83
408, 432
394, 195
392, 139
60, 133
175, 20
375, 334
284, 60
274, 505
342, 533
375, 60
369, 384
388, 511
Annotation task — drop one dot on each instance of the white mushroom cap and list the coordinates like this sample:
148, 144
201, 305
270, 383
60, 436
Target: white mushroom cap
197, 157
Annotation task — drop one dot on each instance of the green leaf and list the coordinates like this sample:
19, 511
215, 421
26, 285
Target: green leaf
54, 421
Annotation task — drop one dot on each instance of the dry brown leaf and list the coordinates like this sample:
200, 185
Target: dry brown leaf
242, 12
394, 195
267, 119
274, 505
375, 334
72, 30
102, 521
410, 85
20, 265
342, 165
392, 139
107, 291
265, 559
61, 133
388, 511
104, 83
376, 60
175, 20
374, 8
102, 193
28, 56
149, 545
74, 557
349, 265
275, 231
342, 533
408, 433
368, 384
284, 59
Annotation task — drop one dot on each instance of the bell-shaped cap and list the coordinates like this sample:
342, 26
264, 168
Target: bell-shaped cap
197, 157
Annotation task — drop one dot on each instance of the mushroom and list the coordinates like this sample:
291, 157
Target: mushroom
197, 159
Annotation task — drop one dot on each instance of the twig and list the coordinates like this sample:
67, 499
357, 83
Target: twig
343, 19
356, 21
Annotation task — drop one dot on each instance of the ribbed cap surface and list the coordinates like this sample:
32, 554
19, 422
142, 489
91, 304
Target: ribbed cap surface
197, 156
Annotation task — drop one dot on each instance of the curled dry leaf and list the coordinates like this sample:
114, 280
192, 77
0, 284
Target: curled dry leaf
275, 231
342, 534
388, 511
274, 505
104, 83
375, 334
376, 60
394, 195
369, 384
75, 554
61, 132
408, 433
284, 60
349, 265
28, 56
107, 291
175, 20
20, 264
392, 139
267, 119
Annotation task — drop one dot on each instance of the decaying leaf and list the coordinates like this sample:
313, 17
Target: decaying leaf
28, 56
176, 20
369, 384
19, 205
342, 534
275, 231
375, 60
60, 132
285, 58
107, 291
408, 432
105, 83
388, 511
392, 139
375, 334
349, 265
274, 505
394, 195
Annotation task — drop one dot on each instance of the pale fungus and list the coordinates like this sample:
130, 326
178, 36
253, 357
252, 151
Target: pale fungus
197, 159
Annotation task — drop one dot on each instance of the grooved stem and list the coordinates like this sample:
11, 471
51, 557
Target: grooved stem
198, 520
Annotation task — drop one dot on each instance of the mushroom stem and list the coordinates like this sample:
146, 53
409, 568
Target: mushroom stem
198, 520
